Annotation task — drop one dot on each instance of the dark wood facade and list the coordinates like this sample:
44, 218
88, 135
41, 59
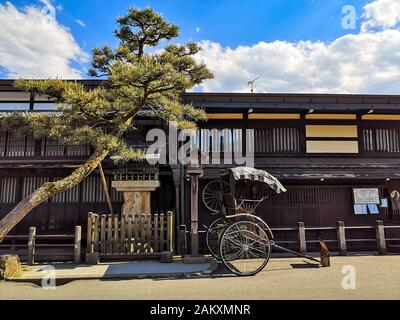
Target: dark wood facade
320, 146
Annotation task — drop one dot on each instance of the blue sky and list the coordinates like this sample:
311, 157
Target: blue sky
305, 34
229, 22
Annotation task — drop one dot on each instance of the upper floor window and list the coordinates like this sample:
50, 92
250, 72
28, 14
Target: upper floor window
266, 139
279, 140
14, 145
381, 140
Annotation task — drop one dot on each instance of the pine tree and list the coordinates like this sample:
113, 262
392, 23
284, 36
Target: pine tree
136, 74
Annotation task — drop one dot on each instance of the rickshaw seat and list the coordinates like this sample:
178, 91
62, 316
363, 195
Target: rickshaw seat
229, 204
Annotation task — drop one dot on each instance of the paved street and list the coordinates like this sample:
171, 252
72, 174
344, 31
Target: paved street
376, 278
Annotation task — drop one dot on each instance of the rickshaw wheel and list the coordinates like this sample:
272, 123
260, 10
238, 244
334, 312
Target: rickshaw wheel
212, 194
245, 248
213, 237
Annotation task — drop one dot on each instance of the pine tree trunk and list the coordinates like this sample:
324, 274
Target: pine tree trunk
48, 190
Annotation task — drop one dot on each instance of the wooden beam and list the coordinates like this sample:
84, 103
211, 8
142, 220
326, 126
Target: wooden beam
105, 188
274, 116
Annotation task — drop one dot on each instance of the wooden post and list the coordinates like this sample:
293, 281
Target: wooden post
77, 244
380, 237
170, 231
96, 233
183, 240
177, 178
341, 238
302, 238
89, 238
31, 246
162, 232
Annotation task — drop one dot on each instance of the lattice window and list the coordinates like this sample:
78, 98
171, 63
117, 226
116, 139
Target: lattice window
381, 140
281, 140
31, 184
8, 190
19, 145
220, 140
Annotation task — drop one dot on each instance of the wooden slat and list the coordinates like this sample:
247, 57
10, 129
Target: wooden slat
156, 237
109, 235
116, 235
136, 233
162, 232
149, 237
103, 234
129, 249
122, 247
96, 233
142, 233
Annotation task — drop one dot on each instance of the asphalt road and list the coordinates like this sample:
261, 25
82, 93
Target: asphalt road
375, 278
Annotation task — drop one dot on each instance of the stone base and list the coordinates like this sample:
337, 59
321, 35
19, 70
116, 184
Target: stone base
167, 257
92, 259
195, 260
10, 267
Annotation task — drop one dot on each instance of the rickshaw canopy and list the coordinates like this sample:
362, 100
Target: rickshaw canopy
256, 176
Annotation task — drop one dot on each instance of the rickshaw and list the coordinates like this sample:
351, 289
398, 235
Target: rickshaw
239, 238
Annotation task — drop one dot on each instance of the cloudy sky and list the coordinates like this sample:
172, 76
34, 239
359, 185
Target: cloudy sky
292, 45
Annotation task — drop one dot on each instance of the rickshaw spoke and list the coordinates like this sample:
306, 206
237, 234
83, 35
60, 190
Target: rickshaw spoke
245, 248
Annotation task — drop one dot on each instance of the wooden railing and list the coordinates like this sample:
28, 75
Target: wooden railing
381, 240
46, 248
340, 239
114, 237
75, 245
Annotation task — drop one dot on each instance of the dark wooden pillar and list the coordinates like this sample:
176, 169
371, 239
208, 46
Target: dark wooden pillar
177, 177
194, 174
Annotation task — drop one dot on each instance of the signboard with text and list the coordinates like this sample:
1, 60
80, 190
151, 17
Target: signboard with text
366, 196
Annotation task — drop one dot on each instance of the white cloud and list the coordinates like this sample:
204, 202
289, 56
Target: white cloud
381, 14
368, 62
34, 44
81, 23
48, 8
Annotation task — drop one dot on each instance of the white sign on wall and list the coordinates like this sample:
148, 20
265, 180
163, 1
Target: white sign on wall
366, 196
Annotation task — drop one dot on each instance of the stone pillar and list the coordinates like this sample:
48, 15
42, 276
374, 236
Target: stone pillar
137, 195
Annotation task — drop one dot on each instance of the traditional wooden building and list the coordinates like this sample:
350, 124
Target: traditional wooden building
338, 156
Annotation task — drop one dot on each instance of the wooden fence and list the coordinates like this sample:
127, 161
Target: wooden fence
116, 237
342, 240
